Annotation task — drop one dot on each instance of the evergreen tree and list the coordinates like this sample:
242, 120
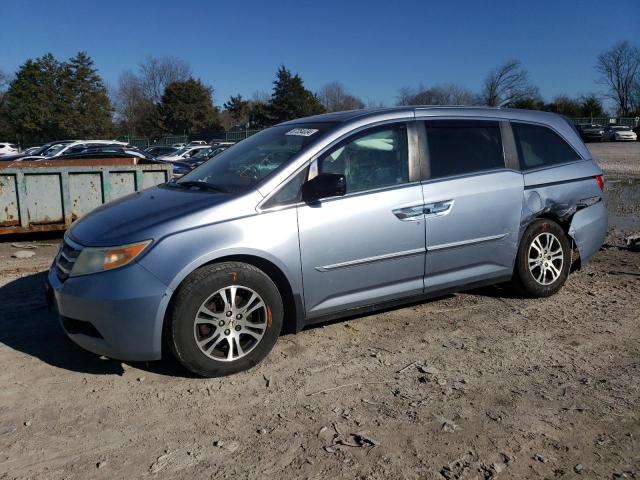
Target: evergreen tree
591, 106
86, 108
50, 100
187, 108
290, 99
5, 128
32, 101
238, 109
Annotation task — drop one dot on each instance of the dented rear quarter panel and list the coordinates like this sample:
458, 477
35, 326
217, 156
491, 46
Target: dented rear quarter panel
569, 193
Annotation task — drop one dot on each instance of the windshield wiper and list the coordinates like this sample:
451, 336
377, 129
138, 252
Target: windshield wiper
203, 186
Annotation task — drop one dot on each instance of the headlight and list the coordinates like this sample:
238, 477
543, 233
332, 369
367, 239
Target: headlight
93, 260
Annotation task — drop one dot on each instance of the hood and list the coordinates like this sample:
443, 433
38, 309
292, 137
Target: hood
148, 214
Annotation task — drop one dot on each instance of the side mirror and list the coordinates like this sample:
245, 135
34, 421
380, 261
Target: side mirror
324, 185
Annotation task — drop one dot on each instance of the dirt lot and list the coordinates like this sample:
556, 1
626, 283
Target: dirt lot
475, 385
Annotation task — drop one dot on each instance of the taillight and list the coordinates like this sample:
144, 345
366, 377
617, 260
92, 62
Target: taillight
600, 182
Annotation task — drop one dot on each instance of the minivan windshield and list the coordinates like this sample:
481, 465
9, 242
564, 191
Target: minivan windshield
250, 161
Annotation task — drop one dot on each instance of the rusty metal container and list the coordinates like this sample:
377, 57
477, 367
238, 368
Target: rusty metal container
48, 195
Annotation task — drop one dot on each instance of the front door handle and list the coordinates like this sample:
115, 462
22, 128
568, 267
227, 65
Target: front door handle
437, 209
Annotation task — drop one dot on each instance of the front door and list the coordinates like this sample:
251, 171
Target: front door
367, 246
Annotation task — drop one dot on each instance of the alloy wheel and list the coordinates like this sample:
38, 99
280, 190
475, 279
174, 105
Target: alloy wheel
230, 323
545, 258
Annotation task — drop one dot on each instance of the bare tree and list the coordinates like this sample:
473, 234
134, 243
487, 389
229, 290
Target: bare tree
261, 96
619, 70
335, 98
508, 84
375, 104
158, 72
135, 112
405, 94
635, 97
5, 80
447, 94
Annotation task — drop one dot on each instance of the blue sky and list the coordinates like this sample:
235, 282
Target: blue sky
373, 47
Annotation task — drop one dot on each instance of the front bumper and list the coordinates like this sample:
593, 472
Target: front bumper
115, 313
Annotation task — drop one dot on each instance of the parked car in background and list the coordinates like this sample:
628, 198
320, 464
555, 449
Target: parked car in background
636, 130
184, 152
619, 133
590, 132
217, 143
182, 167
325, 217
7, 149
82, 145
35, 153
32, 150
59, 149
197, 142
106, 151
179, 145
160, 150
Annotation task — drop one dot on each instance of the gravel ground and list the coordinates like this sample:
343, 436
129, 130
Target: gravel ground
617, 158
475, 385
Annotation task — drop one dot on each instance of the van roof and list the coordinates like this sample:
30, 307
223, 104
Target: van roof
561, 124
429, 111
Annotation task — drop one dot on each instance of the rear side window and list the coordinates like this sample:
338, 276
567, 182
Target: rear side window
457, 147
540, 146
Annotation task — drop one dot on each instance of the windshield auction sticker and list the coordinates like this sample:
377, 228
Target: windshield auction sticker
302, 132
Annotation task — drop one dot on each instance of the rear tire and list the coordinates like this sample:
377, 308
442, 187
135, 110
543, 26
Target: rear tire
225, 319
543, 260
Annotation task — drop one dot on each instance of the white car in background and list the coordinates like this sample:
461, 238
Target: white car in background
69, 147
8, 148
183, 153
619, 133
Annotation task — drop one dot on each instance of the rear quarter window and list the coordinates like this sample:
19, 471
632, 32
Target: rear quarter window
540, 146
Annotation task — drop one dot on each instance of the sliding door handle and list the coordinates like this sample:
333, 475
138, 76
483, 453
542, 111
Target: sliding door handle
437, 209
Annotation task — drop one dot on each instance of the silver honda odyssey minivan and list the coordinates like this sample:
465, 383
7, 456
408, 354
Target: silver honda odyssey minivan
329, 216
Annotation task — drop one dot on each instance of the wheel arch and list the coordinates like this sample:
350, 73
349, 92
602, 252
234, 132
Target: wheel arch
292, 302
565, 223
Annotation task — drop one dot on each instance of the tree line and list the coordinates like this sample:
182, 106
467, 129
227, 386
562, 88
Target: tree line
50, 99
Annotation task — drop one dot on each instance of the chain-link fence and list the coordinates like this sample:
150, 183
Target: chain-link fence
234, 136
627, 121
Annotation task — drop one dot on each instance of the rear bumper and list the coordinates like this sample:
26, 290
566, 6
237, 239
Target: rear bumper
592, 136
588, 229
113, 313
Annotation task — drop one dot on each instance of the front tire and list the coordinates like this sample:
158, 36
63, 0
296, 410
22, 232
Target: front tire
543, 261
225, 318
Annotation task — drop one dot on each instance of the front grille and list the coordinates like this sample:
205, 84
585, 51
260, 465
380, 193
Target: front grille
67, 256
